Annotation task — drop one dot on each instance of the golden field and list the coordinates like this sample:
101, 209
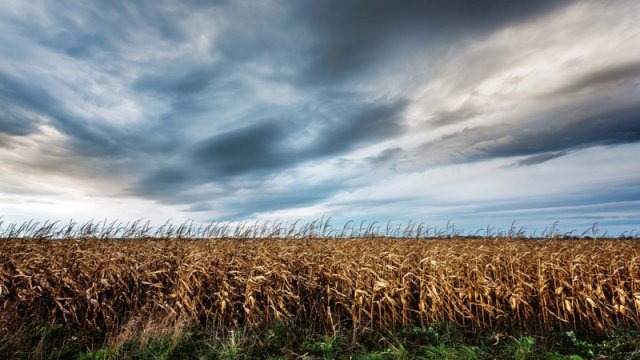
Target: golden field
322, 284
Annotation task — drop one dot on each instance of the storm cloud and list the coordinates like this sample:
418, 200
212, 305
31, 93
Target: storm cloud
271, 146
542, 139
239, 109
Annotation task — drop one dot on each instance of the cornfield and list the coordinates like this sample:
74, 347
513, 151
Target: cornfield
101, 285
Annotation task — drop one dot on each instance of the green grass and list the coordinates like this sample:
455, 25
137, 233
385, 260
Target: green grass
284, 341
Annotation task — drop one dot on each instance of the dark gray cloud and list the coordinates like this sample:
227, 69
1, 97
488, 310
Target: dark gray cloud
336, 43
371, 123
353, 36
266, 147
614, 127
17, 99
16, 124
253, 148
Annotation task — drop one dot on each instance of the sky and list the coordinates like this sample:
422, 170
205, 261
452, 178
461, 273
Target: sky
478, 111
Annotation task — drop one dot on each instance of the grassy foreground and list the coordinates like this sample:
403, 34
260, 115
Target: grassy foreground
319, 298
285, 341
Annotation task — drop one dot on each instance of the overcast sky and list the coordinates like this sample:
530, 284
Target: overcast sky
479, 111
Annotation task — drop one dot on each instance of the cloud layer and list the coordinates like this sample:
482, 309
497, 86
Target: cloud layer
361, 109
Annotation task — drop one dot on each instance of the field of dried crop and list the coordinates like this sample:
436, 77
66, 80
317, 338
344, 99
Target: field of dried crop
108, 286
